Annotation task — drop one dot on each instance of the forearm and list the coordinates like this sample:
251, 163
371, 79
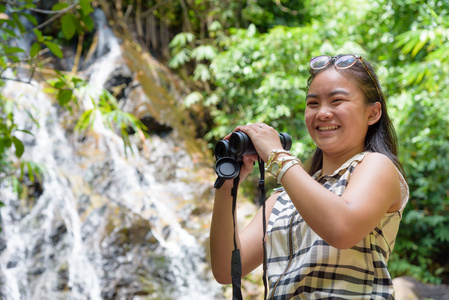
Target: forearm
222, 234
320, 208
344, 220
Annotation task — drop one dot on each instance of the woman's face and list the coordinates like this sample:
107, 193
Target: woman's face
336, 115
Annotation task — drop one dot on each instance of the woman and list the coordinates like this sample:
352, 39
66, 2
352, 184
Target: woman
332, 229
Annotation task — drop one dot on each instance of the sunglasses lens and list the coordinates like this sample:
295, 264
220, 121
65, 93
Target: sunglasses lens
319, 62
345, 61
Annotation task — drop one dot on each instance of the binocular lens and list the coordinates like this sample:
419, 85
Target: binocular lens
240, 144
227, 168
286, 141
222, 149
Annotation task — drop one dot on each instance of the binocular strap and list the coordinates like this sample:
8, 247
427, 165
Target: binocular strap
236, 263
262, 201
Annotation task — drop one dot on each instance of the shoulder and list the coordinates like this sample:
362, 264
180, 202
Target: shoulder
376, 164
379, 171
377, 157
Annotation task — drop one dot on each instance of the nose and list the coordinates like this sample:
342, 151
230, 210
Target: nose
324, 112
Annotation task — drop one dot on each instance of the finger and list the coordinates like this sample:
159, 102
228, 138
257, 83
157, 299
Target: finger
227, 137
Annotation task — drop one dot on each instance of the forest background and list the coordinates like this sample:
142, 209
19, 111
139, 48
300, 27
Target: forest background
246, 61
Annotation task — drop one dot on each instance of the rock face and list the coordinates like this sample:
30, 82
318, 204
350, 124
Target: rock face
102, 223
408, 288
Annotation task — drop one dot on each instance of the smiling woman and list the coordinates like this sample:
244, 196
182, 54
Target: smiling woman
331, 229
336, 110
381, 135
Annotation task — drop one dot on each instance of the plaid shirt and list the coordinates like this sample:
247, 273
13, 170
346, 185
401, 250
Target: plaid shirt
301, 265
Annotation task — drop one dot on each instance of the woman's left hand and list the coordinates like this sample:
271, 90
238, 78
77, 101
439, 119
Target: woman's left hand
264, 138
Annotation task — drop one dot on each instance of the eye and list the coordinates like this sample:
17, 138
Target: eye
312, 103
337, 101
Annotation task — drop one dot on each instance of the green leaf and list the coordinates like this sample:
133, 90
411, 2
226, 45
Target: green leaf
192, 98
88, 22
201, 73
30, 171
204, 52
64, 96
7, 142
68, 26
86, 7
182, 39
19, 146
60, 84
86, 120
39, 36
443, 234
30, 18
29, 5
9, 32
13, 58
10, 50
54, 48
180, 59
214, 26
24, 130
19, 24
9, 22
60, 6
35, 48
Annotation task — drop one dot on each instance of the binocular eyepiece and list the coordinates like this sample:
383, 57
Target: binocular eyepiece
229, 154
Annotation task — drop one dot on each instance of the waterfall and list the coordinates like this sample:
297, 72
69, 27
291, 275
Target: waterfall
101, 224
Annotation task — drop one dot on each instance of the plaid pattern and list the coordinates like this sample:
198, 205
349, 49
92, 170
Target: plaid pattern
301, 265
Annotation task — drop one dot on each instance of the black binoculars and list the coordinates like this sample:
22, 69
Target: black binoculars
229, 154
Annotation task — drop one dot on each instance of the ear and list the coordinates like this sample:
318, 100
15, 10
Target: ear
375, 113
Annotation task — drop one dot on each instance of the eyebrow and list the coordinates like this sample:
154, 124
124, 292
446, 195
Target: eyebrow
335, 92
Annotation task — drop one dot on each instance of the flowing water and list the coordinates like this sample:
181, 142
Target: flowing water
101, 224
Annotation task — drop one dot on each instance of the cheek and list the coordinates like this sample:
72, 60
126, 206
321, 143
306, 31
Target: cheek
308, 118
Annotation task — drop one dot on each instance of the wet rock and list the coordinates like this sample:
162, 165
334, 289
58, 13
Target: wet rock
408, 288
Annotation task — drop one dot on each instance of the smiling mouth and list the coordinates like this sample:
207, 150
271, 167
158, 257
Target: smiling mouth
327, 128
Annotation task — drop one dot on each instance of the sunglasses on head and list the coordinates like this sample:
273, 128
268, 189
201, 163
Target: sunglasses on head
341, 62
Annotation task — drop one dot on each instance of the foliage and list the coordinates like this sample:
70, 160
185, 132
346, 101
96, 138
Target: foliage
8, 138
113, 118
260, 79
423, 240
68, 89
421, 96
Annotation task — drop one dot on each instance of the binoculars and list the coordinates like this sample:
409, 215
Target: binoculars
229, 154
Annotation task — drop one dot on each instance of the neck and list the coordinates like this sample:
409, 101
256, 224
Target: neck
332, 162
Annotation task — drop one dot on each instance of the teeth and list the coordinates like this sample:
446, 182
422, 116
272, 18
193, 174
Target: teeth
326, 128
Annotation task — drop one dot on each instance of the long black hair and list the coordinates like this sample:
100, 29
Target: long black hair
381, 136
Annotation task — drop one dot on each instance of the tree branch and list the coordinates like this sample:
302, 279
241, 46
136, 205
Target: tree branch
154, 7
59, 13
79, 49
285, 9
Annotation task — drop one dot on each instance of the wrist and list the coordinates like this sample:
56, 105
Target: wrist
276, 164
274, 153
287, 167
